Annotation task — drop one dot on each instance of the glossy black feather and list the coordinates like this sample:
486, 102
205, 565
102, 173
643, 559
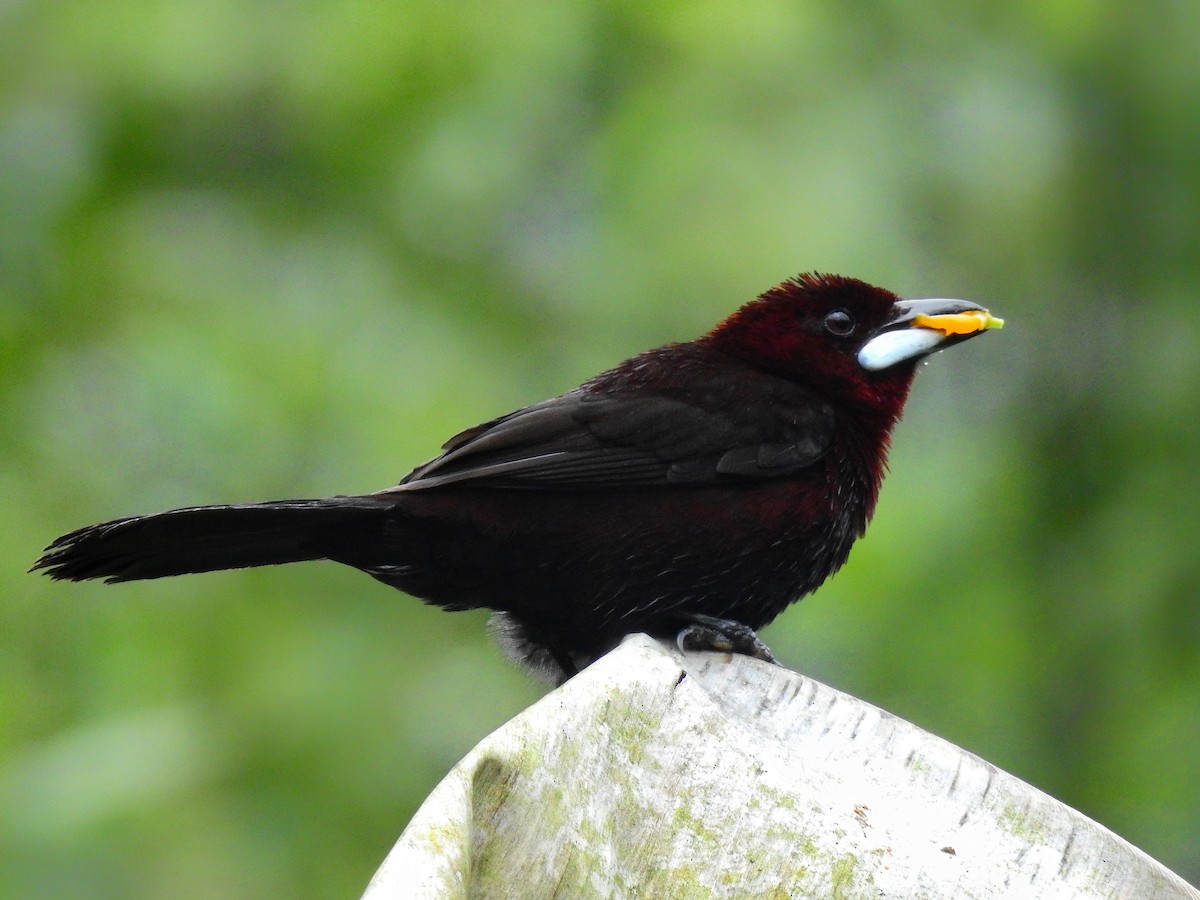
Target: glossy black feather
704, 431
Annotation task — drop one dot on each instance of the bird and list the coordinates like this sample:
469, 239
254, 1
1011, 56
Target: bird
691, 492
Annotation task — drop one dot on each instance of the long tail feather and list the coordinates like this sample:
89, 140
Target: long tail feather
206, 538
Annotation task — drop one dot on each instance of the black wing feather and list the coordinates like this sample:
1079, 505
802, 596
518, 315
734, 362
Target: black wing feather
584, 440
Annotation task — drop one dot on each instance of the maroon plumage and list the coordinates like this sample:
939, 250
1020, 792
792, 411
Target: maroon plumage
701, 486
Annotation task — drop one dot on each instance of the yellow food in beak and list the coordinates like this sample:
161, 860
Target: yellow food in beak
959, 323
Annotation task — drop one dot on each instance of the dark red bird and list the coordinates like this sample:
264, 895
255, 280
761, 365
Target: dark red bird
693, 491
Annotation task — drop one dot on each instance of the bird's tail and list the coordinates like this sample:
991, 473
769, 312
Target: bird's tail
206, 538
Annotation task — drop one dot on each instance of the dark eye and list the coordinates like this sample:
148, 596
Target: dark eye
839, 323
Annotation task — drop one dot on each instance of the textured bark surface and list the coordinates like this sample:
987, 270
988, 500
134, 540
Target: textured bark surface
654, 774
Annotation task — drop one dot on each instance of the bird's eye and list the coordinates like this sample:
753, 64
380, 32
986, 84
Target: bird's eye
839, 323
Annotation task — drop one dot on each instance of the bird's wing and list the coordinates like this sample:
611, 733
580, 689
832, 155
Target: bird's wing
588, 441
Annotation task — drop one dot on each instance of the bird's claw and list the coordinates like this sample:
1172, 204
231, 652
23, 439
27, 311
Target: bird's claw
722, 636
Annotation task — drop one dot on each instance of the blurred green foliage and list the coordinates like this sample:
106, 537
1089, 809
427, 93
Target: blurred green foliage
257, 250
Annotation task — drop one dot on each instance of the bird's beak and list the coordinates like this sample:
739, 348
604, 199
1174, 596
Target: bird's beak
919, 327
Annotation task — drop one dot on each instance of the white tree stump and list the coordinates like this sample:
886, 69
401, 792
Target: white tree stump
659, 775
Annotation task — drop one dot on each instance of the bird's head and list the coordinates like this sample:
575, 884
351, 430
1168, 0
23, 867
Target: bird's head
847, 338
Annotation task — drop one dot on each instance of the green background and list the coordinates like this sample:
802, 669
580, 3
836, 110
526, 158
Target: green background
260, 250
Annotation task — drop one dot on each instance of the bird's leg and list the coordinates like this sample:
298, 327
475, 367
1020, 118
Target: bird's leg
723, 636
564, 661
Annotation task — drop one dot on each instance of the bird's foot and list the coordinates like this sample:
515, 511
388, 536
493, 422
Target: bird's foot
723, 636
